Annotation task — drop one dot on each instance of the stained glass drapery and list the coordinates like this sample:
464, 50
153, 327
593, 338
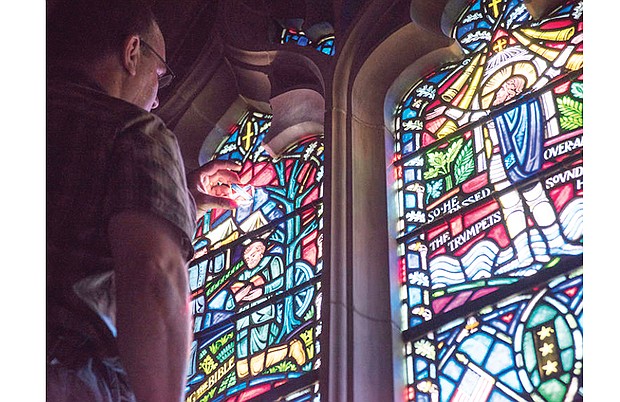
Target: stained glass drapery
488, 168
256, 275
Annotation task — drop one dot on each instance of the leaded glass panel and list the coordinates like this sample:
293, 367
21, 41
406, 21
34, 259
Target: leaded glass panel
489, 177
256, 275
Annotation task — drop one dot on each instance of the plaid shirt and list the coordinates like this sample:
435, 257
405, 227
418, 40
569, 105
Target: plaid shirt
105, 155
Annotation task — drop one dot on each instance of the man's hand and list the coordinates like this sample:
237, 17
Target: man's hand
210, 185
248, 291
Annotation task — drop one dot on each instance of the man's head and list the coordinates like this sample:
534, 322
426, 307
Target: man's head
117, 42
509, 89
253, 253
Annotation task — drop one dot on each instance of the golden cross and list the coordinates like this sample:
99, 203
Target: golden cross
500, 45
494, 4
248, 136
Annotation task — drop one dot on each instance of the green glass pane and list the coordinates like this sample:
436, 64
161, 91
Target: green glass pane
529, 352
541, 315
552, 390
568, 359
563, 333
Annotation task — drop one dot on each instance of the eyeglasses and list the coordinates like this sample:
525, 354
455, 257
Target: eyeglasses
167, 78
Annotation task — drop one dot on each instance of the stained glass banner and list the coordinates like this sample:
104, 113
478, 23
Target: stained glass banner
256, 306
461, 253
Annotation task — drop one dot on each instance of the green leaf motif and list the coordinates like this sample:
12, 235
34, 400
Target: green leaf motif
309, 314
453, 150
571, 113
226, 352
217, 345
209, 395
464, 165
282, 367
431, 173
440, 161
433, 189
227, 382
576, 89
436, 159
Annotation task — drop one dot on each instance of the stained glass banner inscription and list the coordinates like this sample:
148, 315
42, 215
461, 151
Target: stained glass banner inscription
220, 368
474, 252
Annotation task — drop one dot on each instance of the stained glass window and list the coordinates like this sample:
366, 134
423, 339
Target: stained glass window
256, 275
489, 165
325, 44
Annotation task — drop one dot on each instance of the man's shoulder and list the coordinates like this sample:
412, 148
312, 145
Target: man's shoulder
67, 98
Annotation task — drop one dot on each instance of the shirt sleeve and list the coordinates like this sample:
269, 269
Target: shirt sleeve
147, 174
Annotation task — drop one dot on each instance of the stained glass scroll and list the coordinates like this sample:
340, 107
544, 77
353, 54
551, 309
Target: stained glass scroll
474, 248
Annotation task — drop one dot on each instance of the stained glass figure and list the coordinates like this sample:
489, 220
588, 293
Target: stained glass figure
256, 275
488, 165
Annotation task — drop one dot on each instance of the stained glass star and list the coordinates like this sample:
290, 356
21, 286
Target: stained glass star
545, 332
546, 349
550, 367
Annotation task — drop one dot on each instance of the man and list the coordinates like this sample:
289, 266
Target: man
120, 218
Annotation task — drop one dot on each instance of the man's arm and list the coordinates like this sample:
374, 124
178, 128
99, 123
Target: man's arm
153, 317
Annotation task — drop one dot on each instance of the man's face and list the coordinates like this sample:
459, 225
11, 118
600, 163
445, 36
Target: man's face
150, 69
509, 89
253, 254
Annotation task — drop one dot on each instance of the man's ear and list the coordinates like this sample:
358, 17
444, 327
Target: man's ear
131, 54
